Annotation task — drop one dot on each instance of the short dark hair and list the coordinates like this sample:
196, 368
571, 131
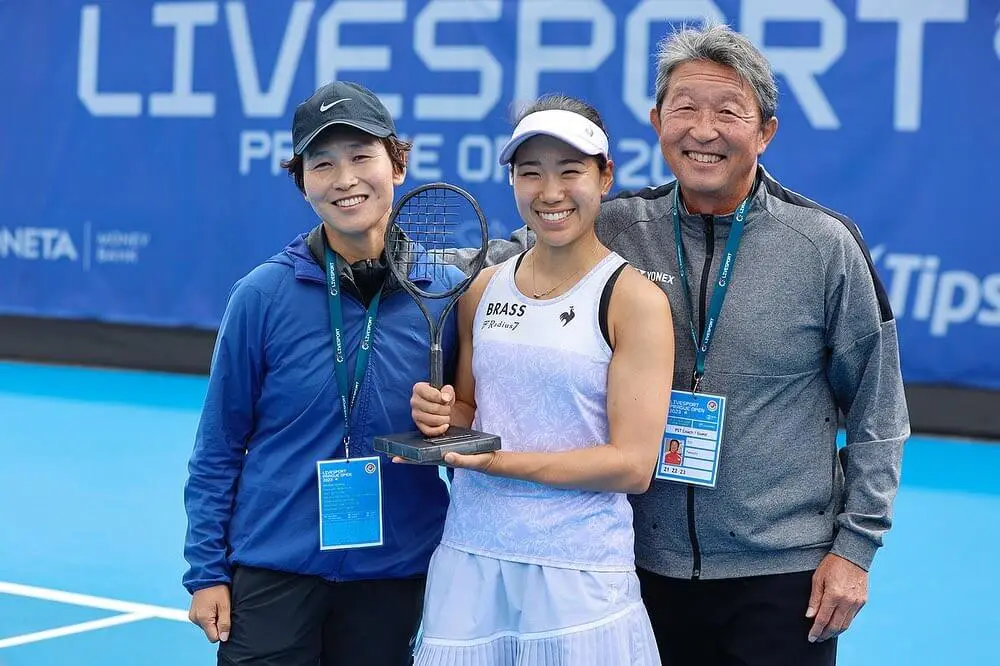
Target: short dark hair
398, 150
560, 102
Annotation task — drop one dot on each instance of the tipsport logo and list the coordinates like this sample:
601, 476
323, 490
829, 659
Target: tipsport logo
921, 289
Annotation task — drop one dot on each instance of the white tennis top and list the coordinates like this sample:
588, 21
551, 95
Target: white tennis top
541, 369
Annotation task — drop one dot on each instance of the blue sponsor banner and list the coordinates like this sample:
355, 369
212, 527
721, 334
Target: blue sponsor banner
140, 141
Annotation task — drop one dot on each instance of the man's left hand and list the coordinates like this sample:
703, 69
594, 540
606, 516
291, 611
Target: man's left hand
839, 590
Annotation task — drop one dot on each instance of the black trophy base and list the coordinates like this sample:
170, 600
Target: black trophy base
413, 446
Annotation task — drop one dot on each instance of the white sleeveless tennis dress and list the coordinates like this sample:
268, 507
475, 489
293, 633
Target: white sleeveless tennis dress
528, 574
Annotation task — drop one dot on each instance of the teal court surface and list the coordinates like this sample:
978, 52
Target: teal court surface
92, 467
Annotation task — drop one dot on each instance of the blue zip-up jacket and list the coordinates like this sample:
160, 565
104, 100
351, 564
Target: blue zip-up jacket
272, 411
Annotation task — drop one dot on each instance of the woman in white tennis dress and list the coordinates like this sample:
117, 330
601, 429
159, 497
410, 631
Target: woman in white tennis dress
566, 353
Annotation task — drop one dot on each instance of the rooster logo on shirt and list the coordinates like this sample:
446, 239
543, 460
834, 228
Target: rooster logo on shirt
567, 317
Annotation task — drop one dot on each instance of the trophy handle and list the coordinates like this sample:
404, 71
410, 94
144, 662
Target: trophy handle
437, 365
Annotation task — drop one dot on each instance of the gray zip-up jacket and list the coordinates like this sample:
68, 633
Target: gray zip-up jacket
806, 333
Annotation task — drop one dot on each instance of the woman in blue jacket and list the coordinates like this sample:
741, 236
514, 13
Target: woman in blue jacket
304, 548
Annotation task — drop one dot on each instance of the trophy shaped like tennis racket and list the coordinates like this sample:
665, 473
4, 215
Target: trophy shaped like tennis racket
423, 231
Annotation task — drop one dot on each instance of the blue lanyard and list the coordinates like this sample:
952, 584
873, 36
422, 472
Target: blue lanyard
347, 399
721, 286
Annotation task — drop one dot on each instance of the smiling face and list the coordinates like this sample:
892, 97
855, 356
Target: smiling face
711, 134
558, 189
349, 181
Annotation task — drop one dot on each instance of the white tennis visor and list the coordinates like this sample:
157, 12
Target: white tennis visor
566, 126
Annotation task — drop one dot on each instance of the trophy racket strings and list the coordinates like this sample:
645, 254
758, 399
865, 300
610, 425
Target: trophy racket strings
428, 232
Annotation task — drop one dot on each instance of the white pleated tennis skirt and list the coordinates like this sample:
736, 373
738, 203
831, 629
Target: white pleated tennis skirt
481, 611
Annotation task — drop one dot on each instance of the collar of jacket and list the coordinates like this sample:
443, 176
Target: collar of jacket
757, 203
316, 242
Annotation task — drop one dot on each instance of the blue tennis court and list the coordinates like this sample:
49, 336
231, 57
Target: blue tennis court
92, 520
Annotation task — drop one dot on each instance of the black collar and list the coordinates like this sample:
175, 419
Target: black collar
361, 279
316, 242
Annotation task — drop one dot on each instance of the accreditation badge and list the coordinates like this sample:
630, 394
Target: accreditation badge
692, 439
350, 503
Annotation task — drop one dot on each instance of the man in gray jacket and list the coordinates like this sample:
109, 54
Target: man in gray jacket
792, 327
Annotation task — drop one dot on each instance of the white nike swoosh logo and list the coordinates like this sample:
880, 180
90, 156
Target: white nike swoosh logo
324, 107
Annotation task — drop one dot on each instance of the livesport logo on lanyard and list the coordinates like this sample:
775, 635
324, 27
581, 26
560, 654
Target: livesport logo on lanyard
350, 491
692, 440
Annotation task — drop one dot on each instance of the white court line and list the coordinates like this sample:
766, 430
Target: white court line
128, 607
72, 629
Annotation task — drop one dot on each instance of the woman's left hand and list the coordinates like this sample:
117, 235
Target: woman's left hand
478, 462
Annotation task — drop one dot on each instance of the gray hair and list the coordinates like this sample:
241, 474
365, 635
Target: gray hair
719, 44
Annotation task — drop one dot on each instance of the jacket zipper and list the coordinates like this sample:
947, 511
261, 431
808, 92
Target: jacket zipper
702, 306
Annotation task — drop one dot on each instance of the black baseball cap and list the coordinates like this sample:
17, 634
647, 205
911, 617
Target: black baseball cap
340, 103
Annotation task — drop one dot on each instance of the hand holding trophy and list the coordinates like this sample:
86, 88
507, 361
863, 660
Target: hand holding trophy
423, 229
